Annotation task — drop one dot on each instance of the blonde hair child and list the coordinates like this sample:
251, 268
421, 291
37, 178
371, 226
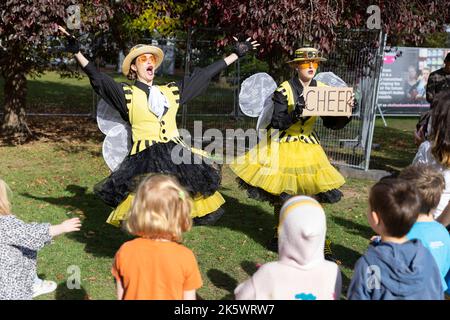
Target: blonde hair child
19, 244
156, 265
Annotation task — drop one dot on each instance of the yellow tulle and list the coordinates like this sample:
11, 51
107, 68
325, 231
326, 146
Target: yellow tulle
118, 214
201, 207
292, 167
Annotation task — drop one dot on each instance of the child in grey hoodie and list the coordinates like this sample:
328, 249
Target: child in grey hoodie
395, 268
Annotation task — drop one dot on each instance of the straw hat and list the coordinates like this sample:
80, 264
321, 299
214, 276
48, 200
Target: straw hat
304, 54
138, 50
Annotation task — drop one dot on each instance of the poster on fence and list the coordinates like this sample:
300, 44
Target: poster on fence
403, 81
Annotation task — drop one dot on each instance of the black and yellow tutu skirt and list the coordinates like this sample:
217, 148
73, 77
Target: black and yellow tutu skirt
198, 176
295, 167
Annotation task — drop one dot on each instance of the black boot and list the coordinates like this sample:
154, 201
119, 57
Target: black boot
331, 196
284, 197
209, 219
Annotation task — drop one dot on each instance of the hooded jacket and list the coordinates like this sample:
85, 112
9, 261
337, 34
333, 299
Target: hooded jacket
301, 271
392, 271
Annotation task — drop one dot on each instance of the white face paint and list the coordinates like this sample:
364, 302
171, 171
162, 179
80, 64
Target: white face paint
306, 70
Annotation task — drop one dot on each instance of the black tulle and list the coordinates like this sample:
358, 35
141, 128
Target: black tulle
257, 193
330, 196
198, 176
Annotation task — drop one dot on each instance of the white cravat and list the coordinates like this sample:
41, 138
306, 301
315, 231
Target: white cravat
157, 102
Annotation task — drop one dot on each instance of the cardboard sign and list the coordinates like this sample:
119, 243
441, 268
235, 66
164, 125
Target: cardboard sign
328, 101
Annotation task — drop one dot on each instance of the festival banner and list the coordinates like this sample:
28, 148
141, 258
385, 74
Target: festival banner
403, 81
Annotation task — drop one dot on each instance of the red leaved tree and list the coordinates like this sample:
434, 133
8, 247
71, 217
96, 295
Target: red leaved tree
26, 27
283, 25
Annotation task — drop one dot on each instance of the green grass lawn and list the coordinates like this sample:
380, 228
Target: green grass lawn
53, 178
53, 181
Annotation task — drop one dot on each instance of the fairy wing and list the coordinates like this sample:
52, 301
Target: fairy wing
116, 146
117, 143
254, 92
330, 79
108, 117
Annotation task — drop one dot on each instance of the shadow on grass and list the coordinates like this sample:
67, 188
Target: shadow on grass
223, 281
347, 256
104, 240
101, 239
64, 293
68, 148
354, 228
67, 130
249, 219
249, 267
397, 149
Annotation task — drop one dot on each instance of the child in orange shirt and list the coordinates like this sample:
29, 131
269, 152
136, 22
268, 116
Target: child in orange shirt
155, 265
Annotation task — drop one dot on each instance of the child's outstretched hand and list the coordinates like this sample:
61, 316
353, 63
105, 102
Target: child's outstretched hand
69, 225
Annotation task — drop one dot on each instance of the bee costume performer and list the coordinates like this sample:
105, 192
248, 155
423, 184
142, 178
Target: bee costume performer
291, 161
139, 121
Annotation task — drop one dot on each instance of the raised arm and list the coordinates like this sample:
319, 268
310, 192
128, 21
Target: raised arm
196, 83
33, 236
81, 59
74, 47
103, 84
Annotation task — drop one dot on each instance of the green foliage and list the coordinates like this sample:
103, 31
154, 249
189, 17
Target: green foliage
251, 65
437, 40
163, 17
28, 27
280, 26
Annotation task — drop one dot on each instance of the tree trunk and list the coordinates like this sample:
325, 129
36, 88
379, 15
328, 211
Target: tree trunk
14, 126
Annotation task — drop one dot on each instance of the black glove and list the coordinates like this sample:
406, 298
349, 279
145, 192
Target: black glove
298, 110
73, 45
241, 48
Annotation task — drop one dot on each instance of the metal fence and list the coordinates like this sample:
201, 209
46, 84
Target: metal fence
357, 59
